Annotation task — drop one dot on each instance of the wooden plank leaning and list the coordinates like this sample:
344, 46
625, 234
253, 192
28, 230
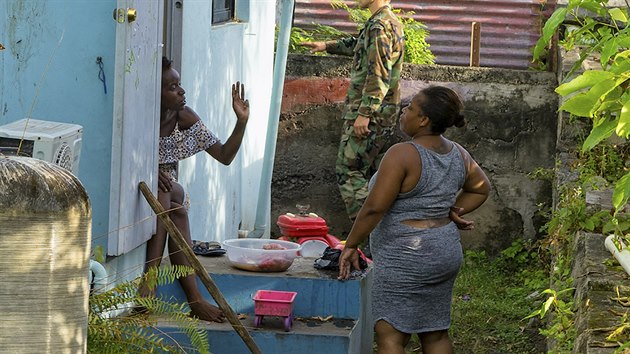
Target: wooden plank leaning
199, 269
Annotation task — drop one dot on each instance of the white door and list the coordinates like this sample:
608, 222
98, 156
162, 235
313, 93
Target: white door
136, 121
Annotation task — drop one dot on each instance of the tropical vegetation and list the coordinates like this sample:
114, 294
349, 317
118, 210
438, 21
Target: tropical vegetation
599, 99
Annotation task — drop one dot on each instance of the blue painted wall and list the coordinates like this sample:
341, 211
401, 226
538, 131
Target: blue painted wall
315, 297
48, 71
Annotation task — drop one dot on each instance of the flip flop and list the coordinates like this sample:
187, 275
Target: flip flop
211, 248
215, 253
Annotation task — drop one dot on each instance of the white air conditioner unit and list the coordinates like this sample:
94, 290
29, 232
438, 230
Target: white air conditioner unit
59, 143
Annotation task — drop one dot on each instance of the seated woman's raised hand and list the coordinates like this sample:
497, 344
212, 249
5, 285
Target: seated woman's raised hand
239, 104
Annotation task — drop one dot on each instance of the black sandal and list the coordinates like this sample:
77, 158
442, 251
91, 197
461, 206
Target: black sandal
208, 249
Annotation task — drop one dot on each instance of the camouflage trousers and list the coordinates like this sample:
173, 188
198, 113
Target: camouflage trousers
357, 161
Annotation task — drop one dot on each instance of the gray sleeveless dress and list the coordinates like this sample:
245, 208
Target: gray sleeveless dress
414, 269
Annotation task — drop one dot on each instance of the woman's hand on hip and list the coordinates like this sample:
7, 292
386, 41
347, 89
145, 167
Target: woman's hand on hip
455, 216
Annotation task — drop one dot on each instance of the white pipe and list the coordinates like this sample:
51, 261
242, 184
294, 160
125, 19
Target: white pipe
100, 282
100, 275
280, 63
622, 256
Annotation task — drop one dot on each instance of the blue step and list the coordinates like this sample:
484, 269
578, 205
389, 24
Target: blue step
330, 316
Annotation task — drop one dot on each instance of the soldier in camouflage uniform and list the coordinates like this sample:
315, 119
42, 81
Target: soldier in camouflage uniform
372, 101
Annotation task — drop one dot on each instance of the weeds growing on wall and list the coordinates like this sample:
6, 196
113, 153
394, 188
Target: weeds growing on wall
600, 95
595, 169
417, 50
136, 332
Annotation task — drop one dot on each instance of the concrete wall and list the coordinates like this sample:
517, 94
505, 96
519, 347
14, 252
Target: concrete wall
214, 57
511, 131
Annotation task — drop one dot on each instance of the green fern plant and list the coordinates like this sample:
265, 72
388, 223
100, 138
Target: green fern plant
136, 332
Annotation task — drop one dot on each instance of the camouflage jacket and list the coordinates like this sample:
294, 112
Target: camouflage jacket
378, 51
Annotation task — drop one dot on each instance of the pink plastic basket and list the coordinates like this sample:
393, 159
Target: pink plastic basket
273, 303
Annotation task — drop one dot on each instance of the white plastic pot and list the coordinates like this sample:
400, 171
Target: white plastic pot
622, 256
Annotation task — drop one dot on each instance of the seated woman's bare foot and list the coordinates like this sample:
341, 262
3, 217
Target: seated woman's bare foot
203, 310
146, 291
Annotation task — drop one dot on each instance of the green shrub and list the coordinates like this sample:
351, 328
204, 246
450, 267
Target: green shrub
417, 50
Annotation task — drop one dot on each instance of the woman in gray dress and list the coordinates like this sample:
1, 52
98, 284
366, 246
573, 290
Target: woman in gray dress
414, 212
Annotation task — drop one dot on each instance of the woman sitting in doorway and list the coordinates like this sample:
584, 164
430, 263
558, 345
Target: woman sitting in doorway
183, 134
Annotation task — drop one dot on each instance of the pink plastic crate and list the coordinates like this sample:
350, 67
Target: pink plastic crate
274, 303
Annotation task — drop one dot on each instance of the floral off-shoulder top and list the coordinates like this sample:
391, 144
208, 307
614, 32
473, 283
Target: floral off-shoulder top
181, 144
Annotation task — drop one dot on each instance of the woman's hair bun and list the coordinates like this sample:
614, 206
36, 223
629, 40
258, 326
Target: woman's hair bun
460, 120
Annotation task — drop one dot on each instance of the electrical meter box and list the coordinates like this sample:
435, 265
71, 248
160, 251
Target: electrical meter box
58, 143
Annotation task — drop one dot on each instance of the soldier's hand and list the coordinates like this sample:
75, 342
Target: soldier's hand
315, 46
361, 129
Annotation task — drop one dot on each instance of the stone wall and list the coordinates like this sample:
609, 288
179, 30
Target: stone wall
511, 132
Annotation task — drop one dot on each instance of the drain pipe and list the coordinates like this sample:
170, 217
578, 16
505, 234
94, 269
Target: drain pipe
98, 283
621, 255
280, 63
100, 276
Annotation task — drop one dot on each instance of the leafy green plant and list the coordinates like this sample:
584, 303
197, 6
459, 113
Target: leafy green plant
356, 15
417, 50
543, 174
565, 221
604, 160
136, 331
599, 94
319, 33
562, 328
555, 301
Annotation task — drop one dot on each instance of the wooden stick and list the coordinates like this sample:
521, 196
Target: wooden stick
199, 269
552, 64
475, 39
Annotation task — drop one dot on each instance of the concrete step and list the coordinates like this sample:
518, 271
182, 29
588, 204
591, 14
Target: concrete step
307, 335
344, 304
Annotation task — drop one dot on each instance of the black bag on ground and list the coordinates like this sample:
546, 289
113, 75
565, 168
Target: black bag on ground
330, 260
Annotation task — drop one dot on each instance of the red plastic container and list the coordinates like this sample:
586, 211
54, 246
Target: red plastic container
292, 225
304, 227
274, 303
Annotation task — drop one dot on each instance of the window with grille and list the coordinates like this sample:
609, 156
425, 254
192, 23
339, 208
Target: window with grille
222, 11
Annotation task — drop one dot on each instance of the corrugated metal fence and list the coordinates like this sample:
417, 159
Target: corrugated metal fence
509, 28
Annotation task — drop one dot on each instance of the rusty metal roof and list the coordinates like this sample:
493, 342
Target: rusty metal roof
509, 28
